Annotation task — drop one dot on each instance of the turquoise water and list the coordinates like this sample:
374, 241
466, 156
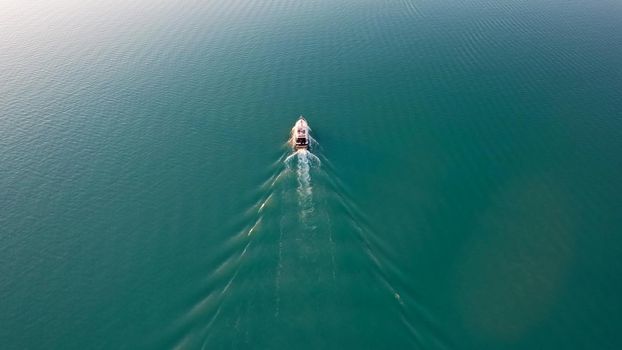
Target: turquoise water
466, 192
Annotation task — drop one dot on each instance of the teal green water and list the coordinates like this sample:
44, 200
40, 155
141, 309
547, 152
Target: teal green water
466, 195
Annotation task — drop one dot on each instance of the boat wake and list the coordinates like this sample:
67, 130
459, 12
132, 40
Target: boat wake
301, 162
290, 247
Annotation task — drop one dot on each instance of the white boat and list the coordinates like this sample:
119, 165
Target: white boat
300, 134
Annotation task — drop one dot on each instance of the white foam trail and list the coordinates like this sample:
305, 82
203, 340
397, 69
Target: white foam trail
305, 190
313, 159
290, 157
304, 161
250, 232
263, 204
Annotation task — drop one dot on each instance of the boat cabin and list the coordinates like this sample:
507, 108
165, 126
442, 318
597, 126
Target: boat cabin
302, 140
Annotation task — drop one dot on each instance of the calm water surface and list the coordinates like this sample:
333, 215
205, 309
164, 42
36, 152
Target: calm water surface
464, 191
